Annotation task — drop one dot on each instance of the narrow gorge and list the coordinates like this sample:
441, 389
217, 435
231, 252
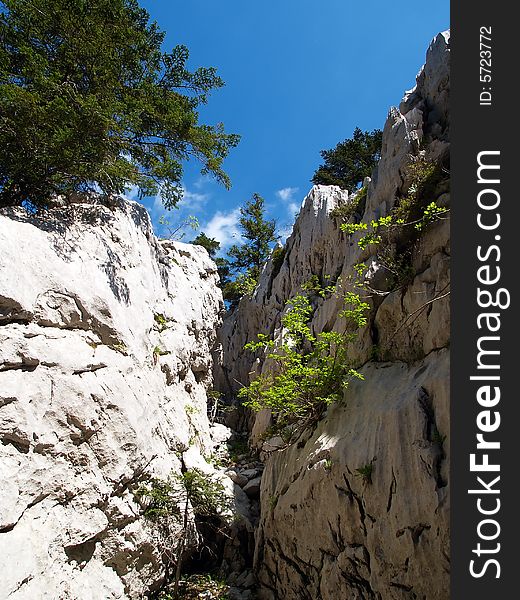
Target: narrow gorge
120, 368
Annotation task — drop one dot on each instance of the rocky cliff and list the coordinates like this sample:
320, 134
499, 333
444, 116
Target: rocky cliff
358, 508
106, 339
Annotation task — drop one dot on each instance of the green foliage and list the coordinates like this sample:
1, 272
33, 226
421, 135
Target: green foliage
197, 586
314, 285
398, 264
158, 351
164, 498
238, 447
355, 204
437, 438
120, 347
311, 370
375, 352
89, 101
224, 271
350, 161
167, 504
424, 177
189, 409
360, 269
259, 235
431, 213
277, 257
247, 259
207, 495
211, 244
414, 210
355, 310
243, 285
161, 321
160, 498
351, 228
365, 472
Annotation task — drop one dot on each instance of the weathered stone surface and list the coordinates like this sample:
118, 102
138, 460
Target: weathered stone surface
252, 488
238, 478
359, 507
105, 338
367, 536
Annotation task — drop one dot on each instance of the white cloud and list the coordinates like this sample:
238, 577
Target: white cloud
193, 199
132, 193
202, 182
158, 206
224, 227
287, 195
293, 208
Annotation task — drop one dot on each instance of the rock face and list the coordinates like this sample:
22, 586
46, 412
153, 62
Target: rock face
106, 345
359, 508
106, 339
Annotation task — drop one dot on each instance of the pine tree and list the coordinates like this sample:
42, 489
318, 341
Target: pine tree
259, 235
211, 244
350, 161
246, 260
89, 101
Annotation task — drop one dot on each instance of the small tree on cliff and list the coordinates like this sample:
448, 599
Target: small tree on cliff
350, 161
90, 102
259, 235
211, 244
247, 259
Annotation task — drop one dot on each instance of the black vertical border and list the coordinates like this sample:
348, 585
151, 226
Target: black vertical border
476, 128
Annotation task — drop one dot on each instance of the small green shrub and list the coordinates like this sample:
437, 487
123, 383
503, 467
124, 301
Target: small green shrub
431, 213
243, 285
329, 463
346, 211
314, 285
311, 370
166, 503
160, 498
120, 347
424, 177
273, 501
375, 352
158, 351
365, 472
437, 438
161, 321
238, 447
415, 209
277, 257
199, 585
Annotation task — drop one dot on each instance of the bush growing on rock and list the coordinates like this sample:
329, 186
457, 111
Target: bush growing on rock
168, 504
350, 161
311, 371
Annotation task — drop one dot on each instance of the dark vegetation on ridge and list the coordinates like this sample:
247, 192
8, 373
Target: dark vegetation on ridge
89, 102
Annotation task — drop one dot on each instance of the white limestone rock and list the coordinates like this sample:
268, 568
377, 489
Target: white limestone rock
105, 359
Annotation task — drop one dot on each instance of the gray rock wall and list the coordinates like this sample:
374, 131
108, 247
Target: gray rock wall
325, 530
97, 393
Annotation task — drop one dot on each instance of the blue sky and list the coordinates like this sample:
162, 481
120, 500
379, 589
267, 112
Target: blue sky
300, 76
